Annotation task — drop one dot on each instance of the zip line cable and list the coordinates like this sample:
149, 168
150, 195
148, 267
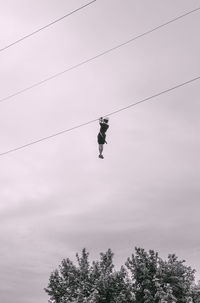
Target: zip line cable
44, 27
95, 57
91, 121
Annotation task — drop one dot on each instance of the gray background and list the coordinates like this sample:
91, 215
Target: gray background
57, 197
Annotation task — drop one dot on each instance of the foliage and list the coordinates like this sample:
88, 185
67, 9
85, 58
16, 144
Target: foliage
145, 278
143, 267
96, 283
179, 276
195, 290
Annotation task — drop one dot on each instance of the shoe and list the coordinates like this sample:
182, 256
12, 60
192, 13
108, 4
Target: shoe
101, 156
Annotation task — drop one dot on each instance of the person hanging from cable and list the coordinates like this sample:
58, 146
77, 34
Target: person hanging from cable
102, 134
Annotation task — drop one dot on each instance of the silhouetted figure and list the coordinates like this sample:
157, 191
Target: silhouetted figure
102, 135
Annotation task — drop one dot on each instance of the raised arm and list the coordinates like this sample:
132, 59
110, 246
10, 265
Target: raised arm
100, 120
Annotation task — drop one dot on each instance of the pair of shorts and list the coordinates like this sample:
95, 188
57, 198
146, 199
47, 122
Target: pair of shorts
101, 139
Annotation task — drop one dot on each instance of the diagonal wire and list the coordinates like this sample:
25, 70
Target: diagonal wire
44, 27
94, 120
97, 56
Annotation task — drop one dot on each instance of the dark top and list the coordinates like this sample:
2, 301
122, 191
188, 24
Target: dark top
103, 128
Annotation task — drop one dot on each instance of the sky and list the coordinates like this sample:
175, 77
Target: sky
57, 196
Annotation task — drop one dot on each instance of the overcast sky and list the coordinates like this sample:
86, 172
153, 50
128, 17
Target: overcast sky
57, 196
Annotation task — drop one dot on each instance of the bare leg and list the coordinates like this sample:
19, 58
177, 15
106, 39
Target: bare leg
100, 149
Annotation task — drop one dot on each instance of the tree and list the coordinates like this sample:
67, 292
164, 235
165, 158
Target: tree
165, 281
143, 268
180, 277
96, 283
195, 290
145, 278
